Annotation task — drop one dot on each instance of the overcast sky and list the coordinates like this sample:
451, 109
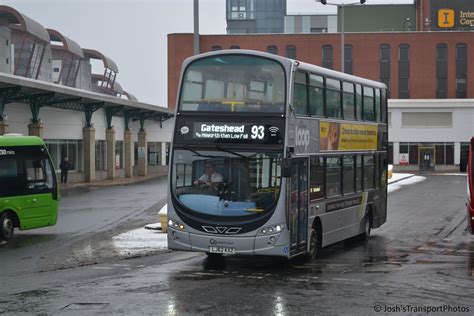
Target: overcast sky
133, 32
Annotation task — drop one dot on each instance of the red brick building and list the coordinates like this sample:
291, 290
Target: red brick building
416, 65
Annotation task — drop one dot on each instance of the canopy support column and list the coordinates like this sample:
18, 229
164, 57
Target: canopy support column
88, 134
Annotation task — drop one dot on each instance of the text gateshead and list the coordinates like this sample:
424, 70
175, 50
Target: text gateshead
222, 131
222, 128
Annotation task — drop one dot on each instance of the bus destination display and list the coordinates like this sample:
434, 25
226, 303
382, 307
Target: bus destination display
227, 132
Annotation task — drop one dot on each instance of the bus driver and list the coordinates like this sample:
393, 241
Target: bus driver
210, 176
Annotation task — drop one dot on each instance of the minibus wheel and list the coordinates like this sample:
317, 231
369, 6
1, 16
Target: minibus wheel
6, 226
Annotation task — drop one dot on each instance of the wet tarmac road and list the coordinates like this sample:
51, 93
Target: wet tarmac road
421, 258
88, 218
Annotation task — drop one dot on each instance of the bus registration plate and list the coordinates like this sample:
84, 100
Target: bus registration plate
228, 250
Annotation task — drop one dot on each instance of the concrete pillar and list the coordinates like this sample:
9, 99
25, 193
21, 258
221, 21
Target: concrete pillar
110, 140
396, 153
128, 143
142, 154
457, 153
163, 154
35, 129
89, 153
4, 127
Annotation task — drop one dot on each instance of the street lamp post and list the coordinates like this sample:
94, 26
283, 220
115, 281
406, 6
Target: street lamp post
341, 6
407, 25
196, 27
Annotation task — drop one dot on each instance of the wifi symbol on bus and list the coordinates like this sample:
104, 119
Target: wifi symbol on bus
273, 130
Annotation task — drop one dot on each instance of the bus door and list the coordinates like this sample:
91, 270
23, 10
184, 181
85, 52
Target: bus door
298, 205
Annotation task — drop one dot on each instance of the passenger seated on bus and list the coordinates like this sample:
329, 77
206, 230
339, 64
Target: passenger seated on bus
210, 177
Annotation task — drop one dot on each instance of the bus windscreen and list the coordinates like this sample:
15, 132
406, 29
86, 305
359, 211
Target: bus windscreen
224, 183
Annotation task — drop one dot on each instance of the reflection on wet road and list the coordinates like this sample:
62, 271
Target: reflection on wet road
421, 257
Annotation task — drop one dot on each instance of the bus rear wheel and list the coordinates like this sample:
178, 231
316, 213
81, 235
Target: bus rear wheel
6, 226
367, 227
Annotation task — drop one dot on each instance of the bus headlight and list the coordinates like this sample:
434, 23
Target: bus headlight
271, 229
175, 224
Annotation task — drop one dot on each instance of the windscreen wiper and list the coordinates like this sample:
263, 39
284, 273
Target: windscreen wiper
231, 152
197, 153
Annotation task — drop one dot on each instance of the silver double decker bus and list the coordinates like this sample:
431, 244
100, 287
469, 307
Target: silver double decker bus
272, 156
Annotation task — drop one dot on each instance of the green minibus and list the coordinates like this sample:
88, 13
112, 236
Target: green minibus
29, 196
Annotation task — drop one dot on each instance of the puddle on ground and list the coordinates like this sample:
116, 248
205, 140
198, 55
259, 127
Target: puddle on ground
26, 240
381, 267
85, 306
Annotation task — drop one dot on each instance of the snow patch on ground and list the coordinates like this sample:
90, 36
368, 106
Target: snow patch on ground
405, 181
451, 174
140, 241
154, 226
399, 176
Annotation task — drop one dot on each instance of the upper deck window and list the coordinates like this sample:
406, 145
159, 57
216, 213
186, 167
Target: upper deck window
233, 83
333, 98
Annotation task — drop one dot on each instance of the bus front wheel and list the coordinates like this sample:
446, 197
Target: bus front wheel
7, 227
314, 243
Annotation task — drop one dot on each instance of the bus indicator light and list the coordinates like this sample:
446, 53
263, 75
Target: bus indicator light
172, 223
271, 230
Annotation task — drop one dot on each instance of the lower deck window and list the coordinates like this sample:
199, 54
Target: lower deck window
317, 188
359, 170
333, 176
349, 174
369, 170
340, 175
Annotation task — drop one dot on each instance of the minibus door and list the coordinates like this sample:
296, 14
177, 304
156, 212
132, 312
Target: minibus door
38, 201
298, 205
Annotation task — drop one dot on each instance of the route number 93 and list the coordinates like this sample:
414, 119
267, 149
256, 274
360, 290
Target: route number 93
258, 132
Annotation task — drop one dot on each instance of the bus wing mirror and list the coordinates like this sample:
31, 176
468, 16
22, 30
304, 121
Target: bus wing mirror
286, 168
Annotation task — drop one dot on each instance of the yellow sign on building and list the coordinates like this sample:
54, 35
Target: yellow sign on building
446, 18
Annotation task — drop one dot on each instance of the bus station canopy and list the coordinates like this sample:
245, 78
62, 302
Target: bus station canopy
68, 44
16, 89
23, 23
108, 62
130, 96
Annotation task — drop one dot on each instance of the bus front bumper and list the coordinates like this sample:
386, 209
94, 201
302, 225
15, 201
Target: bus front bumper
259, 245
